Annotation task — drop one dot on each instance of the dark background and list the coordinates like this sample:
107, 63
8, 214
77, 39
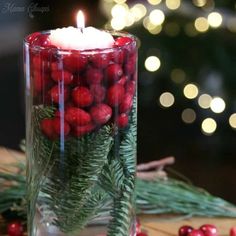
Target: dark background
208, 59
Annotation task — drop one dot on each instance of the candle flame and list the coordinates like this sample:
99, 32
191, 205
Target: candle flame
80, 20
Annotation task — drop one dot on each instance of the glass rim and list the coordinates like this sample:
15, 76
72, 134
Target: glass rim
135, 41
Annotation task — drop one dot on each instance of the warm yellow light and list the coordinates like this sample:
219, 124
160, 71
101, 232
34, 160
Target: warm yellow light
204, 101
152, 63
172, 29
199, 3
232, 120
178, 75
129, 20
188, 115
154, 2
167, 99
201, 24
156, 30
217, 105
190, 91
148, 24
80, 19
209, 126
118, 23
119, 10
120, 1
173, 4
157, 17
214, 19
138, 11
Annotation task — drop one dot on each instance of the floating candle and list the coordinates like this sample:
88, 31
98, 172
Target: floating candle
80, 38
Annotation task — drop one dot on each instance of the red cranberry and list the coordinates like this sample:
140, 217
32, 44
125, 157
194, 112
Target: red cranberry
98, 92
142, 234
123, 80
196, 232
122, 120
185, 230
76, 116
126, 103
75, 63
58, 125
130, 66
101, 113
47, 128
82, 130
117, 56
114, 72
232, 231
55, 66
115, 95
37, 63
62, 76
209, 230
41, 40
82, 97
32, 37
121, 41
41, 81
100, 60
57, 95
15, 229
94, 76
131, 87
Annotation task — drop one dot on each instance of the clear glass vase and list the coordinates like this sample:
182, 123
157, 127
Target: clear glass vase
81, 138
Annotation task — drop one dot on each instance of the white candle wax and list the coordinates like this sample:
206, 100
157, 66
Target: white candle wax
81, 39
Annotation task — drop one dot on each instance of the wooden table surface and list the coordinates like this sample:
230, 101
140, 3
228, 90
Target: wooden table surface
154, 225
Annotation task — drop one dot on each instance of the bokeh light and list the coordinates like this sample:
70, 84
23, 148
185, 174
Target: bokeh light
201, 24
119, 10
178, 75
209, 126
199, 3
152, 63
167, 99
173, 4
204, 101
138, 11
154, 2
232, 120
156, 30
120, 1
215, 19
118, 23
157, 17
188, 116
217, 105
190, 91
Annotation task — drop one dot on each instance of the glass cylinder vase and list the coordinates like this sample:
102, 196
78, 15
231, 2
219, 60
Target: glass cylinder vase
81, 138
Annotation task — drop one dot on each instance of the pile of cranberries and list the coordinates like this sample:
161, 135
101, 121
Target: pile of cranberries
204, 230
88, 89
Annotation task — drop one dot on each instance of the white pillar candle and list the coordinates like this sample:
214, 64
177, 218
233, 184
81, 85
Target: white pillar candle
81, 38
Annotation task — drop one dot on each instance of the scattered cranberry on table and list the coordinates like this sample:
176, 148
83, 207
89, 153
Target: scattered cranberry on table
209, 230
232, 231
196, 232
15, 229
185, 230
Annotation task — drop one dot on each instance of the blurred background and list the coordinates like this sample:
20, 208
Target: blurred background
187, 77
